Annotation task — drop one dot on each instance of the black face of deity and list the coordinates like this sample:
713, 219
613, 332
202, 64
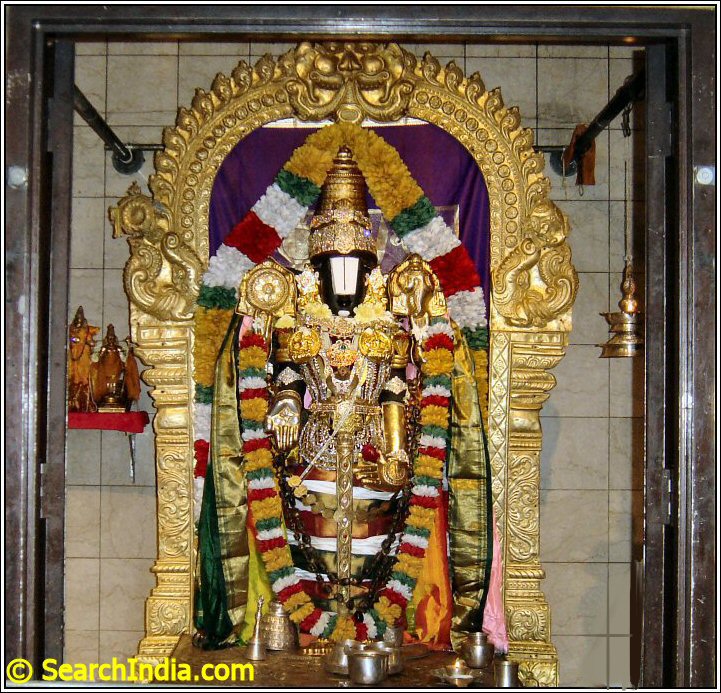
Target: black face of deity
343, 279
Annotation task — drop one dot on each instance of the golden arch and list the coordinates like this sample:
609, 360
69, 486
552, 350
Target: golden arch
534, 286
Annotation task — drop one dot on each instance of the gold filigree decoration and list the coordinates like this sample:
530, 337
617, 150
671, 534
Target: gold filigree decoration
533, 278
163, 274
533, 298
526, 624
349, 82
535, 674
522, 503
168, 618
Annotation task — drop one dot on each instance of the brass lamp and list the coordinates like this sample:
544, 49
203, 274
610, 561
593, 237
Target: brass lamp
624, 325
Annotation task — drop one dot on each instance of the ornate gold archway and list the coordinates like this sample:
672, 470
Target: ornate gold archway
534, 286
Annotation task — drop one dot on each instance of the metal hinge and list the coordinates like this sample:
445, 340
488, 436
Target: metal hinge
668, 497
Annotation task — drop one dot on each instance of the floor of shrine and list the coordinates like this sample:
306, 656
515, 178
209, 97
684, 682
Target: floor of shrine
288, 670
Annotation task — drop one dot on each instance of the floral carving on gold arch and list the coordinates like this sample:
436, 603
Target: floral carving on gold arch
534, 286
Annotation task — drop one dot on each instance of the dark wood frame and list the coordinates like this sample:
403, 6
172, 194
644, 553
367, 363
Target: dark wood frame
680, 563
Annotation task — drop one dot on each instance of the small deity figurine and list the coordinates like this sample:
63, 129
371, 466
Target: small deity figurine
372, 415
107, 375
81, 337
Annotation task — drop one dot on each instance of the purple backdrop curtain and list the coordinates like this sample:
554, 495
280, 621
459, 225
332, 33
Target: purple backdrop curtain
440, 164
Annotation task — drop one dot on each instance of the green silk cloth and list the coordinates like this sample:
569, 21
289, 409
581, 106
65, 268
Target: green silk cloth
231, 573
470, 527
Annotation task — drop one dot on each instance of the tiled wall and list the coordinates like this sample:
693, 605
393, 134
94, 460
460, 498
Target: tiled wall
591, 479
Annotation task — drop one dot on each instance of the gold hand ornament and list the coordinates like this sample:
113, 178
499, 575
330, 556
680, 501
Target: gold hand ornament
389, 473
283, 420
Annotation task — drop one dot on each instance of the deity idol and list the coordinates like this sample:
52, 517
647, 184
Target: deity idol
367, 503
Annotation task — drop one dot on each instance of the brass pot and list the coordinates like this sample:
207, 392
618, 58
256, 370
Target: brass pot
277, 630
477, 650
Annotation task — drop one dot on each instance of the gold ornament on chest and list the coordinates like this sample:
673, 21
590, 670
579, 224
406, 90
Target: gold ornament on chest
342, 354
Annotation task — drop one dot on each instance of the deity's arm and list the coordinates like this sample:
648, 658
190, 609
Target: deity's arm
286, 406
268, 294
391, 470
393, 397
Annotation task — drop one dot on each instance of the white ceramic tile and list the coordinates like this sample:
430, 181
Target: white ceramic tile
625, 51
82, 461
81, 646
589, 327
576, 593
116, 308
627, 385
239, 49
142, 83
572, 51
127, 123
119, 644
125, 584
516, 78
619, 663
275, 48
116, 457
144, 48
128, 522
628, 182
574, 526
619, 598
90, 48
82, 593
500, 50
565, 188
87, 233
582, 384
82, 521
88, 158
570, 91
625, 524
575, 453
117, 250
439, 50
626, 453
86, 290
198, 72
582, 661
634, 227
589, 234
90, 78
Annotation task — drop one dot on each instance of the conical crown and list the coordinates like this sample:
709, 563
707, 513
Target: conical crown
341, 224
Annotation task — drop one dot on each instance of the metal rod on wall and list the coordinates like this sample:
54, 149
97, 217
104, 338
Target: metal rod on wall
125, 159
631, 90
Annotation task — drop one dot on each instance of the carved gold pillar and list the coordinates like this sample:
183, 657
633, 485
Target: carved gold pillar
168, 609
520, 384
159, 279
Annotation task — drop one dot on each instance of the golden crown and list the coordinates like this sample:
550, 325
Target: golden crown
341, 223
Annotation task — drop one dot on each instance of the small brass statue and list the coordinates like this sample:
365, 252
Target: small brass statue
107, 375
81, 337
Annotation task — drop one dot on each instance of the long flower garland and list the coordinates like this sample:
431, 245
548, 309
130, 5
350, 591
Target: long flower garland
283, 205
266, 508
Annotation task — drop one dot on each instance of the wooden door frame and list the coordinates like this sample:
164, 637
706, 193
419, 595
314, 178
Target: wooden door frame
680, 289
